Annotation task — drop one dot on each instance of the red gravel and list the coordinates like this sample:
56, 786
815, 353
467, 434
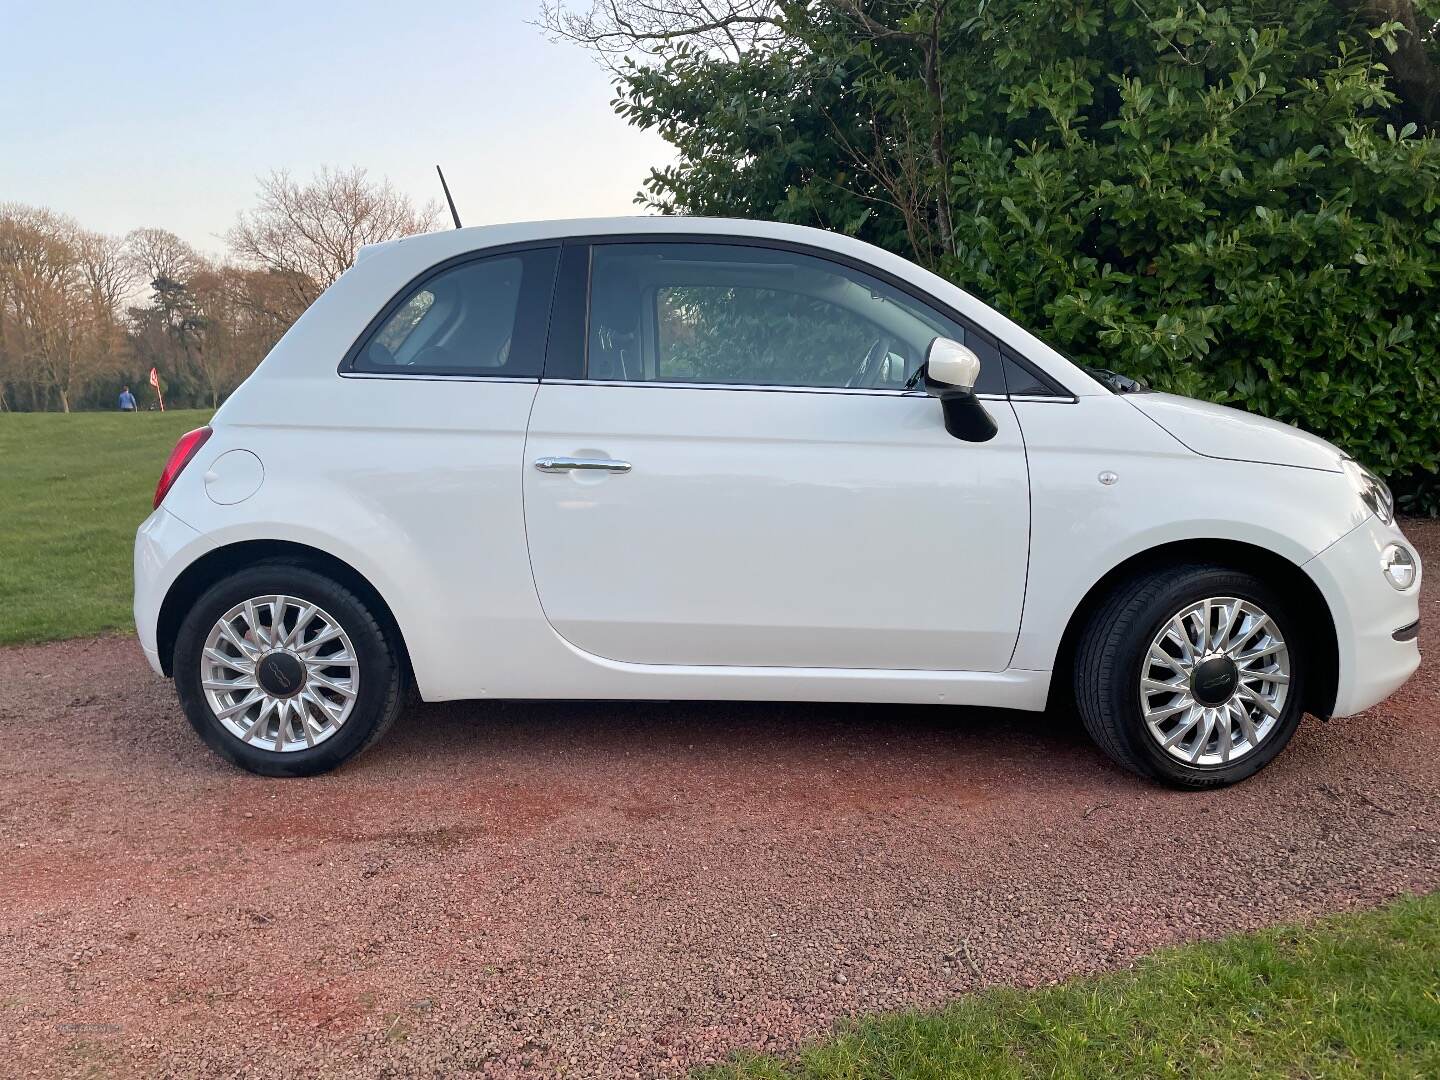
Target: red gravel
626, 889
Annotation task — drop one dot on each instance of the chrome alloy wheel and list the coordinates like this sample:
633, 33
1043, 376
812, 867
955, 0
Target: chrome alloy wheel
1214, 681
279, 673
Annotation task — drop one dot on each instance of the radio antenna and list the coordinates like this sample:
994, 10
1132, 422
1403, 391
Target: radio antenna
454, 214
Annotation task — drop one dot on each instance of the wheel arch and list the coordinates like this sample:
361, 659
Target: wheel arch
221, 562
1276, 569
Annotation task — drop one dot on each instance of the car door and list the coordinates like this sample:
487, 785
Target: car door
724, 467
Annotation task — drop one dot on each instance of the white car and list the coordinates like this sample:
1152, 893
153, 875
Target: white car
703, 459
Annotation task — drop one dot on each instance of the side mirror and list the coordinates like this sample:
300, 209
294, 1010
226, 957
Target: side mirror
951, 372
948, 363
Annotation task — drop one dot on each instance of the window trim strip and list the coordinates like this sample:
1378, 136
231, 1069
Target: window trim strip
765, 388
468, 376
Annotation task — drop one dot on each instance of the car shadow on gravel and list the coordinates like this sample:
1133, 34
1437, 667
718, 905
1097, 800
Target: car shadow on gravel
895, 736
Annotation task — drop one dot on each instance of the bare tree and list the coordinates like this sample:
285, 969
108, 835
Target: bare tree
11, 366
158, 253
220, 341
106, 278
243, 308
205, 323
59, 284
307, 235
616, 29
209, 326
108, 272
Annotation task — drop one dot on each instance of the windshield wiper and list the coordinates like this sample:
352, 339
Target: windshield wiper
1114, 381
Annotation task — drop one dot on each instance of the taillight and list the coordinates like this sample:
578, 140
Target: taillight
188, 446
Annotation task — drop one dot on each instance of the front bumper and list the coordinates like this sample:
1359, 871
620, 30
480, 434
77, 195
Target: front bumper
1409, 632
164, 546
1374, 662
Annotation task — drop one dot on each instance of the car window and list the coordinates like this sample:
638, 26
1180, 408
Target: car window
1022, 381
736, 315
484, 316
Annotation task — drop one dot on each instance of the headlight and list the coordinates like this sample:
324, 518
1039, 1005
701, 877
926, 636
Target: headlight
1372, 490
1398, 565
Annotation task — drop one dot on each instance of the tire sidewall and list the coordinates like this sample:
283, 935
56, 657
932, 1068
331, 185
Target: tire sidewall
378, 670
1153, 616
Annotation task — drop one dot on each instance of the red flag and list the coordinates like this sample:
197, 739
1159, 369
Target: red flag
155, 382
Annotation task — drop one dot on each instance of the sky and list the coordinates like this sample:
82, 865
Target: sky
145, 114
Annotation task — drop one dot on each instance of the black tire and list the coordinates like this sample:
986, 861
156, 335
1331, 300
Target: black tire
1112, 648
380, 686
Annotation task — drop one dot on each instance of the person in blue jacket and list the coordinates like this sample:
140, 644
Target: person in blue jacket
127, 400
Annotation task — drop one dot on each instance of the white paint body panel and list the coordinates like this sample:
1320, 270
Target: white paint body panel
1164, 493
784, 545
164, 547
776, 528
1218, 431
1373, 665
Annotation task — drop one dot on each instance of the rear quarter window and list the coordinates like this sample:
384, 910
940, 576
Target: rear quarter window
481, 316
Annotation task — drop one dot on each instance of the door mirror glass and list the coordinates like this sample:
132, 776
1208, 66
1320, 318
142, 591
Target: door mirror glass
950, 364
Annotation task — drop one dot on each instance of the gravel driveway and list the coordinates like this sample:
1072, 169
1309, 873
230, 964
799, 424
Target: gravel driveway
626, 889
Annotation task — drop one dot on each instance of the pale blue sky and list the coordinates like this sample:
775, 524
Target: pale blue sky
138, 113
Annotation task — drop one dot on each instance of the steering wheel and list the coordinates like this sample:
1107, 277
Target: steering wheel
868, 373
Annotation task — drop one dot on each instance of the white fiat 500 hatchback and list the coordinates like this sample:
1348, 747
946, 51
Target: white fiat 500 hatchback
696, 459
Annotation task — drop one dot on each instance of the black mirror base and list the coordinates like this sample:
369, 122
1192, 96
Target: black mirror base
967, 419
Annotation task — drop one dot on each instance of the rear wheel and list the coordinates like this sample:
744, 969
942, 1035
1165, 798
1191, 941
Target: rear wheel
285, 672
1193, 675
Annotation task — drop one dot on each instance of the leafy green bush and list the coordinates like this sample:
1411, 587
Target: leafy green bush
1235, 202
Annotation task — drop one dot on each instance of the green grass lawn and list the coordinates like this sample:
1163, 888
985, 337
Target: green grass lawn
73, 489
1352, 996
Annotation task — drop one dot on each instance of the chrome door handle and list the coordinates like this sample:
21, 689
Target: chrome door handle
578, 464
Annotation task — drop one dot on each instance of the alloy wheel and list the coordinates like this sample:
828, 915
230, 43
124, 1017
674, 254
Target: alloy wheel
280, 673
1214, 681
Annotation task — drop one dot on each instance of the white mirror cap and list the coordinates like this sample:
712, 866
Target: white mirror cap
953, 364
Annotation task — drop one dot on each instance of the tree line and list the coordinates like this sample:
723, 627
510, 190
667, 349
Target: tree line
83, 313
1236, 201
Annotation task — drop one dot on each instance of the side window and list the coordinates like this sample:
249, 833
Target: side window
1024, 382
757, 335
730, 314
483, 316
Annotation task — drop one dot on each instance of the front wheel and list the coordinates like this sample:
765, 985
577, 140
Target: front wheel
285, 672
1192, 675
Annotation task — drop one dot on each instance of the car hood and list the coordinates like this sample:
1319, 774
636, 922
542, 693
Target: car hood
1220, 432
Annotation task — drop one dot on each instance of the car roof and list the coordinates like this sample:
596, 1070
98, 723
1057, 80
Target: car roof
477, 237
